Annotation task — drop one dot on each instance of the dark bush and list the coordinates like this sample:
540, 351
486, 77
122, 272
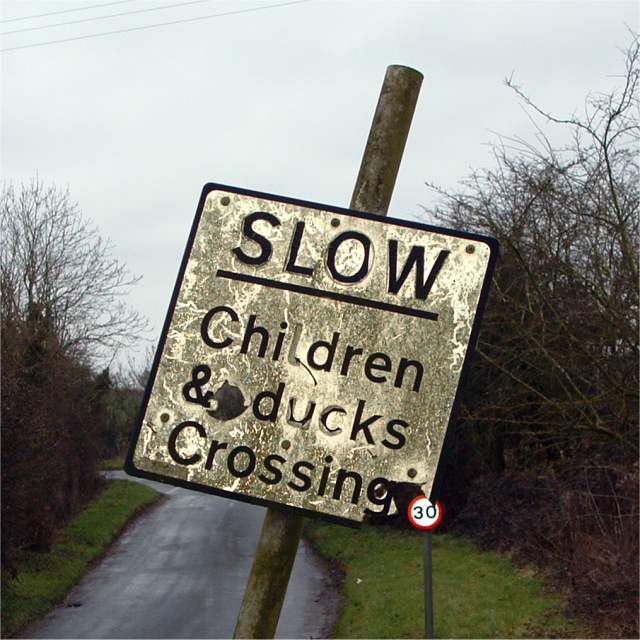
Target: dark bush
582, 524
48, 435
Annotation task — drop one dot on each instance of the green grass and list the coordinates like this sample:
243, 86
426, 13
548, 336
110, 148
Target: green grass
476, 594
43, 579
112, 464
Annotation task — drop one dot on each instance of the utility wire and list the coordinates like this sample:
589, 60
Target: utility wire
153, 26
112, 15
55, 13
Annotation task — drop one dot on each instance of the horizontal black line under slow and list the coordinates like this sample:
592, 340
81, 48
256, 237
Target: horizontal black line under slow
331, 295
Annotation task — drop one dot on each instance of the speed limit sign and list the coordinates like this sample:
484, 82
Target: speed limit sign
423, 514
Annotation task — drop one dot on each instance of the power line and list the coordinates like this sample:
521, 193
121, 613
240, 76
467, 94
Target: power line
55, 13
153, 26
112, 15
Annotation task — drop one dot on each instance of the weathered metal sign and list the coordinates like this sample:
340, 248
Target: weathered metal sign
310, 355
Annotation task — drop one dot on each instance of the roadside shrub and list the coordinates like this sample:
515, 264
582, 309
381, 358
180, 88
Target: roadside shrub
63, 313
580, 524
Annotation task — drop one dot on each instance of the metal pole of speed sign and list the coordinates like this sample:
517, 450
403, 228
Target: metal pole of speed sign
428, 594
426, 516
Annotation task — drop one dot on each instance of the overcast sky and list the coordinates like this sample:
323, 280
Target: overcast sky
277, 100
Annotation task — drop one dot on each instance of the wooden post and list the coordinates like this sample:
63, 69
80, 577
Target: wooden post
281, 531
267, 584
387, 138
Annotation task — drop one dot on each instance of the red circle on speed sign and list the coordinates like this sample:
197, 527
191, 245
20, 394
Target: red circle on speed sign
423, 514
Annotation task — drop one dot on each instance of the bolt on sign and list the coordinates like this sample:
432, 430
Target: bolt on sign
311, 355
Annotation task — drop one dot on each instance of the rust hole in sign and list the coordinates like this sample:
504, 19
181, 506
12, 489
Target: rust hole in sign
228, 402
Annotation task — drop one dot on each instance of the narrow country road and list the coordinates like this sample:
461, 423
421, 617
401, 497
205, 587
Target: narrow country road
180, 572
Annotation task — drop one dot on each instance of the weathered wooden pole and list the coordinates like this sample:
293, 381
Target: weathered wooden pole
387, 138
267, 584
281, 531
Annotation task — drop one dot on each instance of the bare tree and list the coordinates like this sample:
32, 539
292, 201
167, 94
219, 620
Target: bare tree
55, 263
559, 347
545, 456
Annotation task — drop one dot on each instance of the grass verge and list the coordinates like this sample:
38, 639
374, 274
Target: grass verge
43, 579
476, 594
112, 464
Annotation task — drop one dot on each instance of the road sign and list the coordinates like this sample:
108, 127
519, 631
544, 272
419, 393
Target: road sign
424, 514
311, 354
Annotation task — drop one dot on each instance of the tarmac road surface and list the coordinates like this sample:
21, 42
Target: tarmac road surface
180, 571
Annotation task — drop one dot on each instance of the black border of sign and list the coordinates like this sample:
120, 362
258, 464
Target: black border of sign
493, 254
